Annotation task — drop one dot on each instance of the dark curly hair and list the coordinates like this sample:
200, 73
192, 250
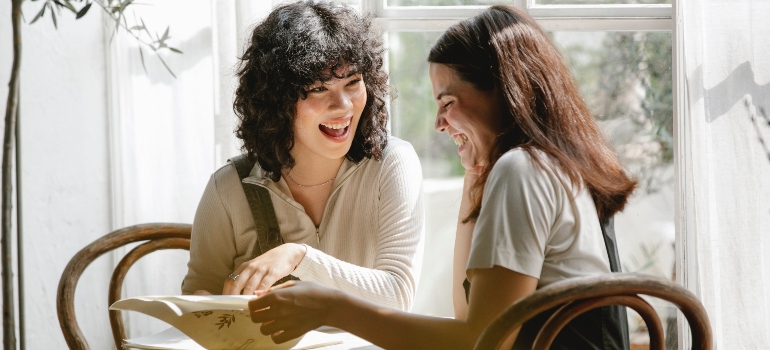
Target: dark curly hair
295, 46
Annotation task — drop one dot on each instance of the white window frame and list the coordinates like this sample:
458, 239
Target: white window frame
635, 17
631, 17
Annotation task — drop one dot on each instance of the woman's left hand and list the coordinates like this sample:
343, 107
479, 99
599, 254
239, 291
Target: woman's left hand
261, 272
294, 308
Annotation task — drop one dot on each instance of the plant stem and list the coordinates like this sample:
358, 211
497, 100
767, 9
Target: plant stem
9, 315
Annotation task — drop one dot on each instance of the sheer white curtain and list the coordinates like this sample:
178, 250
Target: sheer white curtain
727, 67
169, 134
162, 138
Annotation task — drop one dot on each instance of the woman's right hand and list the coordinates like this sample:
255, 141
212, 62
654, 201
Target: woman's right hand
261, 272
294, 308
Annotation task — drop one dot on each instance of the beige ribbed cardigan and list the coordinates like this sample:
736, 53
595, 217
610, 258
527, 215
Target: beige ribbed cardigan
371, 231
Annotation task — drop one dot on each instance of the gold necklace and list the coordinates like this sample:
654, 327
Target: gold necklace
309, 186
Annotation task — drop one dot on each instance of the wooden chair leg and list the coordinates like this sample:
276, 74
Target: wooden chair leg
119, 274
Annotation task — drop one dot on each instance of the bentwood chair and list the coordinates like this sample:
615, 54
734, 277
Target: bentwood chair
576, 296
158, 236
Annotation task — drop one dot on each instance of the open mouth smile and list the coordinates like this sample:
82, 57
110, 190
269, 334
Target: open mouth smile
460, 139
337, 131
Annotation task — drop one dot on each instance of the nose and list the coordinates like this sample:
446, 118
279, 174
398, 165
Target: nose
441, 123
341, 101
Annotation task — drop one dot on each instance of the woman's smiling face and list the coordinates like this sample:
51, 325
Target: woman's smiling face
327, 118
468, 115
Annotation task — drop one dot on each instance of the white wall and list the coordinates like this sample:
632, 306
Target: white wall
66, 198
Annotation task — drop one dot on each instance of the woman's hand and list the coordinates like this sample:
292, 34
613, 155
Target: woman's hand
294, 308
261, 272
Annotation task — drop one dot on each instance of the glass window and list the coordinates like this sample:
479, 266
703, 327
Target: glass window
626, 80
446, 2
599, 2
414, 109
356, 4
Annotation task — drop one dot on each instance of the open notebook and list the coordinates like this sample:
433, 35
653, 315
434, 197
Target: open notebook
210, 322
173, 339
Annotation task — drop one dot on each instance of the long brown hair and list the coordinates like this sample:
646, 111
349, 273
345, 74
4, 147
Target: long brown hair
504, 48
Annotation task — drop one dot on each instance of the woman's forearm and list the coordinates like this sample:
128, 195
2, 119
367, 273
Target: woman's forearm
390, 285
393, 329
462, 248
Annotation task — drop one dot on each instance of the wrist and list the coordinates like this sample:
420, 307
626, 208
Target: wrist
338, 302
300, 250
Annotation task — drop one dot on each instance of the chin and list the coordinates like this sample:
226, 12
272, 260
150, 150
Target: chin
337, 152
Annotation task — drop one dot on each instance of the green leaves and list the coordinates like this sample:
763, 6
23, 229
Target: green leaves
141, 56
116, 9
83, 11
59, 4
39, 14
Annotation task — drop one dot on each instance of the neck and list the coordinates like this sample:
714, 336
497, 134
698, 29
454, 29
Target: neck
311, 169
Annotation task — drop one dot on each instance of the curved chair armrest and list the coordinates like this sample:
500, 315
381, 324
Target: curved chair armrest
600, 286
65, 296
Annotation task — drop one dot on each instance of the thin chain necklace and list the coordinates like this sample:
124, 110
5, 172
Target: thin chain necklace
309, 186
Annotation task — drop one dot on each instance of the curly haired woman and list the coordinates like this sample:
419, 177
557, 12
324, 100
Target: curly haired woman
311, 103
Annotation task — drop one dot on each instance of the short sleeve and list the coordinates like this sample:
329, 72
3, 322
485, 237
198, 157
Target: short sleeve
517, 211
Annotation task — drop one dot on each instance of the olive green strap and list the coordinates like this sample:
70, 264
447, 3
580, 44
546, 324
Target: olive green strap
265, 222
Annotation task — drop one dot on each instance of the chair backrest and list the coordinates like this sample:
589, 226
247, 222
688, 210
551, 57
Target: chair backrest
575, 296
158, 236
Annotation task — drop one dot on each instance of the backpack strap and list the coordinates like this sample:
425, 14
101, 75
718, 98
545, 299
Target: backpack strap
614, 318
265, 221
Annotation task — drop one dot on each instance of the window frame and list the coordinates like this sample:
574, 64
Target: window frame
623, 17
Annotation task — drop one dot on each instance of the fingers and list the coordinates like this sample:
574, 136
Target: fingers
263, 315
231, 285
201, 292
287, 335
259, 281
247, 281
262, 302
283, 285
261, 272
286, 327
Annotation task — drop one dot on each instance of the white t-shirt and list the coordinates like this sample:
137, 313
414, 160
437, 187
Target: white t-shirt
528, 223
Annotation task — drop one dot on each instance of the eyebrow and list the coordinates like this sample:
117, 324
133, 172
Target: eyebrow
351, 73
442, 94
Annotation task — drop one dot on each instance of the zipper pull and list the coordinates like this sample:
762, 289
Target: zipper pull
317, 236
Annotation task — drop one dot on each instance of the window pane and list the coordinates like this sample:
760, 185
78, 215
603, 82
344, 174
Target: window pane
599, 2
626, 80
356, 4
446, 2
414, 108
